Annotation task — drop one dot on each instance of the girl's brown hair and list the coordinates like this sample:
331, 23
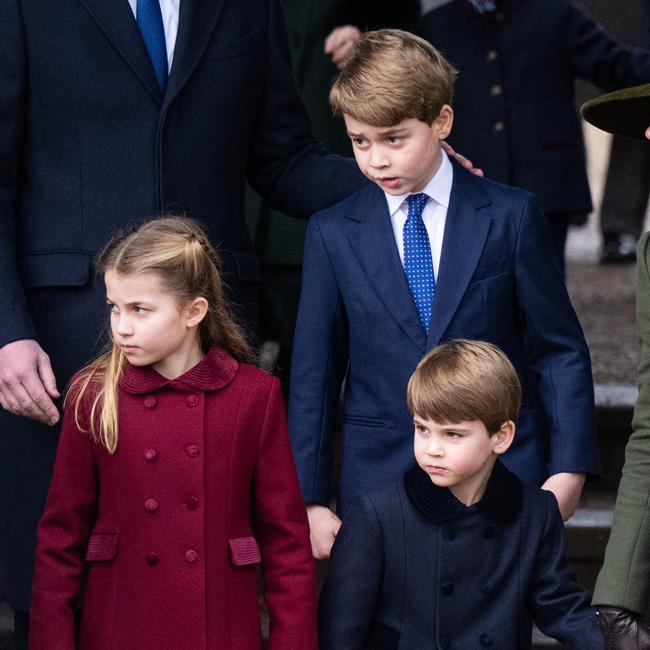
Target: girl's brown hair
177, 249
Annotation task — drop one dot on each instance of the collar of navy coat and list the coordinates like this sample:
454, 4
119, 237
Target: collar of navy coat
214, 371
501, 501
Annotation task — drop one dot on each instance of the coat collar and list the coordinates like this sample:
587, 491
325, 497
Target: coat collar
501, 501
214, 371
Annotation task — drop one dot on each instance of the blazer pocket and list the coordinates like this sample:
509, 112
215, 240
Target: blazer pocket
53, 269
382, 637
102, 547
218, 51
364, 421
244, 550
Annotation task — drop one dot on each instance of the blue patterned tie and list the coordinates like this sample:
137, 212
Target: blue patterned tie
150, 22
418, 265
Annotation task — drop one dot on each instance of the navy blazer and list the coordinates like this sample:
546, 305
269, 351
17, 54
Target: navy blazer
515, 113
498, 281
415, 569
89, 145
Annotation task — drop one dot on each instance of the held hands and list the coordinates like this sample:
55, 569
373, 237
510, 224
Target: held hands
461, 160
27, 383
339, 43
622, 629
323, 527
566, 486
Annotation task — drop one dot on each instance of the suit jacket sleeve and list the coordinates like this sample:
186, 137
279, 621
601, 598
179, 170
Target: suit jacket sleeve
63, 535
556, 348
282, 528
15, 322
318, 366
595, 56
624, 580
347, 601
285, 164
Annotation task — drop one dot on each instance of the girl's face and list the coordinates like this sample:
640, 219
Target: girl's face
151, 326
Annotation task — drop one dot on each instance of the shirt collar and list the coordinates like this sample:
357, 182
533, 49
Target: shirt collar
438, 188
214, 371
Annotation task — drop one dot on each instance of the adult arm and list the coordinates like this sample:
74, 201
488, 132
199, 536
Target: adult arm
353, 581
282, 529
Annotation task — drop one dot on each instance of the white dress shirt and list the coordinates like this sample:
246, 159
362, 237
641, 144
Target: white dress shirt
434, 215
169, 10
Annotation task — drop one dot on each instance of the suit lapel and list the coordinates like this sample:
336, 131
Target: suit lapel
466, 230
374, 245
196, 23
116, 21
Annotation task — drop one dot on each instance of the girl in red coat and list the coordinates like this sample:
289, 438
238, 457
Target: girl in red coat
174, 477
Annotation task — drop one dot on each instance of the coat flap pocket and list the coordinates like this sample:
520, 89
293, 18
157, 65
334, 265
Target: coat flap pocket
54, 269
102, 547
244, 550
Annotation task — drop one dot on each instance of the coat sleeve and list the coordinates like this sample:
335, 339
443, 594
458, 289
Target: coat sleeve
624, 580
15, 322
63, 533
285, 164
559, 607
595, 56
347, 601
319, 362
556, 349
283, 532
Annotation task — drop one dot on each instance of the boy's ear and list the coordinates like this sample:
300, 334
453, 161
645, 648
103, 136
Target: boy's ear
195, 311
502, 439
443, 123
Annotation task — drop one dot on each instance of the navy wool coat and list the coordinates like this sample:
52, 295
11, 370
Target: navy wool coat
413, 568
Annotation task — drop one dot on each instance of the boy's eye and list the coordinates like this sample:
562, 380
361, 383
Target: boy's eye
393, 139
139, 310
111, 307
453, 434
359, 142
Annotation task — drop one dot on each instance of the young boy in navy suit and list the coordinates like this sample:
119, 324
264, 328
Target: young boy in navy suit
427, 253
459, 552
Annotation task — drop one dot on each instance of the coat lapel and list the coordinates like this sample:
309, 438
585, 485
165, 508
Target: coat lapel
196, 23
466, 231
116, 21
374, 245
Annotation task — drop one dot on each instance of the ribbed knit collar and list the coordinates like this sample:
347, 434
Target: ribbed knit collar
214, 371
501, 501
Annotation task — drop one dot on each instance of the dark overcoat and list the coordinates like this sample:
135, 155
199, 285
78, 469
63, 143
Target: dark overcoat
170, 528
89, 145
415, 569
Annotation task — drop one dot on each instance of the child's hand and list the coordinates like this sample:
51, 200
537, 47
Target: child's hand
566, 486
461, 160
323, 527
339, 43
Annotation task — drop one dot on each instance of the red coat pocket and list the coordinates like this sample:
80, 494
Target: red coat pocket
102, 547
244, 550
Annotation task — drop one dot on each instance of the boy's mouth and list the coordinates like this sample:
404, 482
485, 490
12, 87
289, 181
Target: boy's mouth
389, 181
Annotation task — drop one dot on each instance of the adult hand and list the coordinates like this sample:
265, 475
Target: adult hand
647, 133
567, 487
323, 527
461, 160
27, 383
339, 43
622, 629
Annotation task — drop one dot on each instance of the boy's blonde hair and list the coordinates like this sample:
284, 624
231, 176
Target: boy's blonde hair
177, 249
465, 380
391, 76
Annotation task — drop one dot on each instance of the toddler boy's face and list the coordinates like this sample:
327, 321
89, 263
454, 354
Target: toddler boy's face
459, 456
400, 158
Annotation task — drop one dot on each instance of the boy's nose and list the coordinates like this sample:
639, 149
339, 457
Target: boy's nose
378, 159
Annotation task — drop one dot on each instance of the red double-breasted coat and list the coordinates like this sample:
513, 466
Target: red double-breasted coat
167, 532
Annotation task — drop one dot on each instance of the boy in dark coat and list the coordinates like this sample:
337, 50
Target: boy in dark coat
459, 552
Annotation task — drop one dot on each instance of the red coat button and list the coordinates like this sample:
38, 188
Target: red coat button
150, 454
192, 400
152, 559
192, 451
151, 505
150, 401
192, 503
191, 556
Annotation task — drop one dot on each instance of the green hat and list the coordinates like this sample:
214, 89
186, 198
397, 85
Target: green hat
624, 112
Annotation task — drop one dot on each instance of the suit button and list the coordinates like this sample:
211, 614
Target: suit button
191, 400
152, 559
492, 55
449, 533
485, 640
445, 644
499, 127
487, 587
150, 401
496, 90
192, 451
447, 588
151, 505
150, 454
191, 556
192, 503
489, 532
